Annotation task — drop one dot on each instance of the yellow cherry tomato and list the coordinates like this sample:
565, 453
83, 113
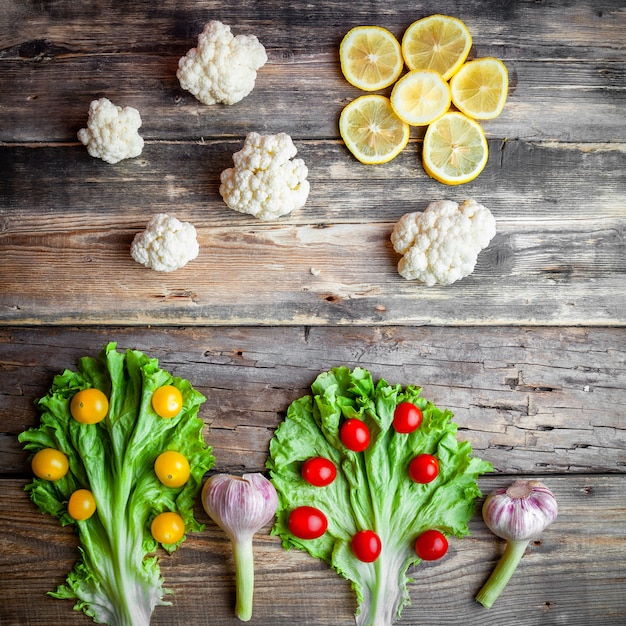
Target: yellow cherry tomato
81, 505
89, 406
168, 527
50, 464
172, 468
167, 401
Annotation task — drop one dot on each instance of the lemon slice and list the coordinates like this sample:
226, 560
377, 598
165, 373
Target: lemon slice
480, 87
371, 57
420, 97
455, 149
372, 131
438, 42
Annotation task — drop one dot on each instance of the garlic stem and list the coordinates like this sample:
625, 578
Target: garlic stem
241, 506
517, 514
244, 578
502, 573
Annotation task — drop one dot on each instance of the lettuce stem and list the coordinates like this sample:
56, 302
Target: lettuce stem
383, 595
379, 608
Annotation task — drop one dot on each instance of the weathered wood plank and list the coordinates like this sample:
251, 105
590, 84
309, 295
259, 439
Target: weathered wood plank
48, 101
55, 61
541, 398
527, 277
557, 259
529, 400
532, 30
523, 182
556, 581
71, 283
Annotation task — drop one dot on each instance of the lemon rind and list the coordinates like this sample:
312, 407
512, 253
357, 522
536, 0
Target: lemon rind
352, 146
473, 113
434, 173
344, 65
438, 16
412, 121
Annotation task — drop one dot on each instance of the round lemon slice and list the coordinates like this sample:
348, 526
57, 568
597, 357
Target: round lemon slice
437, 42
420, 97
372, 131
455, 149
371, 57
480, 87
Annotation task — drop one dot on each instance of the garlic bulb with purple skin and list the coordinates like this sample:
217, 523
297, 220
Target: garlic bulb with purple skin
241, 506
517, 514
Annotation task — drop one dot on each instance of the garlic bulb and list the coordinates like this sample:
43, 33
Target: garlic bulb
517, 514
521, 511
241, 506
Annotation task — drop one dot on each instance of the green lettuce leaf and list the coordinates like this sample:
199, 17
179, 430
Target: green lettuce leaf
372, 489
117, 579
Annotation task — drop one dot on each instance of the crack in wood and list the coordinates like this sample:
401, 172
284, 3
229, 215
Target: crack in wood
37, 50
516, 384
178, 294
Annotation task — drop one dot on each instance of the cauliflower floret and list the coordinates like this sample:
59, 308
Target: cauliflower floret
441, 245
111, 132
222, 67
267, 181
166, 245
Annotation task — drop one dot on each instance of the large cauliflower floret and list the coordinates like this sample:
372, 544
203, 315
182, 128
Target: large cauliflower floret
111, 132
166, 245
441, 244
222, 67
267, 181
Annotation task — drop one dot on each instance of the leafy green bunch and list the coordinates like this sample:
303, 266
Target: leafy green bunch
117, 579
372, 489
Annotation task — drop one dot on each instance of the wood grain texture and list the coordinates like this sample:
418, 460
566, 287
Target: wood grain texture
557, 258
300, 96
554, 180
528, 352
532, 400
556, 582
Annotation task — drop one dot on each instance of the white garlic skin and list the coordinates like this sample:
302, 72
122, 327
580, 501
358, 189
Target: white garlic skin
240, 506
521, 511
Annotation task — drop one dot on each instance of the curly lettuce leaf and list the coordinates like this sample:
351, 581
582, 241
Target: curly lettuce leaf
117, 579
372, 489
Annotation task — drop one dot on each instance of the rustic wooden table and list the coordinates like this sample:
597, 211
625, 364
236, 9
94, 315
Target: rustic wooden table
528, 351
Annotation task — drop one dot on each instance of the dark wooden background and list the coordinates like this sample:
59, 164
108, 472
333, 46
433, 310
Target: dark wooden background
528, 351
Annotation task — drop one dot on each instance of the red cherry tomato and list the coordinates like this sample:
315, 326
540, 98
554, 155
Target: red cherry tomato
407, 418
431, 545
423, 468
307, 522
319, 471
366, 546
355, 435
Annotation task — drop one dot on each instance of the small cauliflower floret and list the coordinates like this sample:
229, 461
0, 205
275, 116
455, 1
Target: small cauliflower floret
222, 67
166, 245
441, 244
111, 132
266, 182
